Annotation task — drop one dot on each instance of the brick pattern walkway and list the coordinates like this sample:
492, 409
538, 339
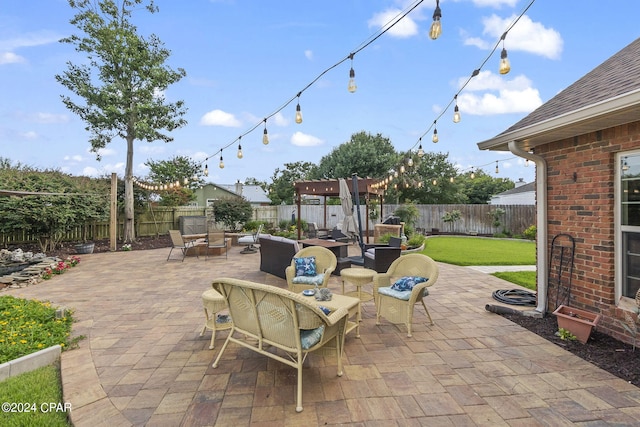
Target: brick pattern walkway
143, 361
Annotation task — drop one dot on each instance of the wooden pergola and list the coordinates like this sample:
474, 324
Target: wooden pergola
367, 189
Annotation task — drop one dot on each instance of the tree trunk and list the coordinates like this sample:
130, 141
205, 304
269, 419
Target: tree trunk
129, 229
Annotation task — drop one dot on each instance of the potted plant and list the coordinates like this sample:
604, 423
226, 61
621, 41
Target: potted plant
579, 322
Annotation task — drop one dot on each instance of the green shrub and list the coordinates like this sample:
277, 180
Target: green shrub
415, 241
530, 233
253, 225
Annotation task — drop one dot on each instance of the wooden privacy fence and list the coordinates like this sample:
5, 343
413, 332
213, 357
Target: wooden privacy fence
473, 218
159, 220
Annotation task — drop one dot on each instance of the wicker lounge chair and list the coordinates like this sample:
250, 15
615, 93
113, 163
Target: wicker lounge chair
326, 262
390, 305
280, 324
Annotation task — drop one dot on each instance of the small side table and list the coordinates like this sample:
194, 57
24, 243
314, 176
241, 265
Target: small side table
213, 303
358, 277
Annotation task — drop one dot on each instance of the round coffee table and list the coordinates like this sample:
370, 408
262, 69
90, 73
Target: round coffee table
358, 277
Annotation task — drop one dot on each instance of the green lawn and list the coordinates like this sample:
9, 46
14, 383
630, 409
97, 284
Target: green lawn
467, 251
34, 399
522, 278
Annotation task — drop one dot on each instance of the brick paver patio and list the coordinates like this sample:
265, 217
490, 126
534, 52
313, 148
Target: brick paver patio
143, 361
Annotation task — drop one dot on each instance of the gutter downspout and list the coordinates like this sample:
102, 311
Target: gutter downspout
541, 220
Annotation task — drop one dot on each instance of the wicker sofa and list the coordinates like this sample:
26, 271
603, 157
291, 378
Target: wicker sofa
276, 318
276, 254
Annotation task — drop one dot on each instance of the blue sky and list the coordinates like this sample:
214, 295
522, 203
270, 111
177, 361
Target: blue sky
246, 59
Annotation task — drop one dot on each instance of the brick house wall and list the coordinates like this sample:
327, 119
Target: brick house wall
580, 191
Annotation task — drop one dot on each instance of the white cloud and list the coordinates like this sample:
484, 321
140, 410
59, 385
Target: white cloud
407, 27
303, 140
31, 135
74, 158
103, 152
49, 118
280, 120
500, 95
308, 54
91, 171
220, 118
150, 149
11, 58
30, 39
526, 36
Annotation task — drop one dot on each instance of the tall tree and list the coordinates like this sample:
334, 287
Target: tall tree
121, 89
365, 154
281, 189
482, 186
427, 181
179, 169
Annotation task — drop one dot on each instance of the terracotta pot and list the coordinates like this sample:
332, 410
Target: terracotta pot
579, 322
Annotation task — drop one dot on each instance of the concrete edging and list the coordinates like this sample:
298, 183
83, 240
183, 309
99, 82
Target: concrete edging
30, 362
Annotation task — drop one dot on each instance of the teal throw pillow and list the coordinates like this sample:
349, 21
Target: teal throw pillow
305, 266
311, 337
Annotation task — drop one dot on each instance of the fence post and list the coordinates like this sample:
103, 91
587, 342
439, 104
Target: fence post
113, 223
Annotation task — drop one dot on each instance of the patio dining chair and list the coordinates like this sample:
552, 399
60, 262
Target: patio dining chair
216, 239
177, 242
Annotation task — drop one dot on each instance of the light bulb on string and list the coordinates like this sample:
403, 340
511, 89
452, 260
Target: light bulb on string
456, 111
206, 170
434, 182
451, 180
402, 169
221, 164
505, 66
497, 169
434, 138
436, 27
265, 134
240, 155
410, 162
420, 150
298, 112
352, 87
473, 174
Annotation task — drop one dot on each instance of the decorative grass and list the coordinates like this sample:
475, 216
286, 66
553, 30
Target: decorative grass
522, 278
35, 399
466, 251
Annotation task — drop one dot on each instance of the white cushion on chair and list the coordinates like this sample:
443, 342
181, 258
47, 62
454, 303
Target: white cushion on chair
403, 295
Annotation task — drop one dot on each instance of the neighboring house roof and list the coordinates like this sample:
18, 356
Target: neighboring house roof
531, 186
522, 195
253, 193
607, 96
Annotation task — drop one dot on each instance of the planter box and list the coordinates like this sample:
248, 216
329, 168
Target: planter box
579, 322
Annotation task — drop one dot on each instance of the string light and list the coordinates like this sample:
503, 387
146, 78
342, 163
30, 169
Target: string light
497, 170
505, 66
221, 165
352, 77
420, 150
298, 112
206, 170
265, 134
435, 138
436, 27
456, 111
435, 32
240, 155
